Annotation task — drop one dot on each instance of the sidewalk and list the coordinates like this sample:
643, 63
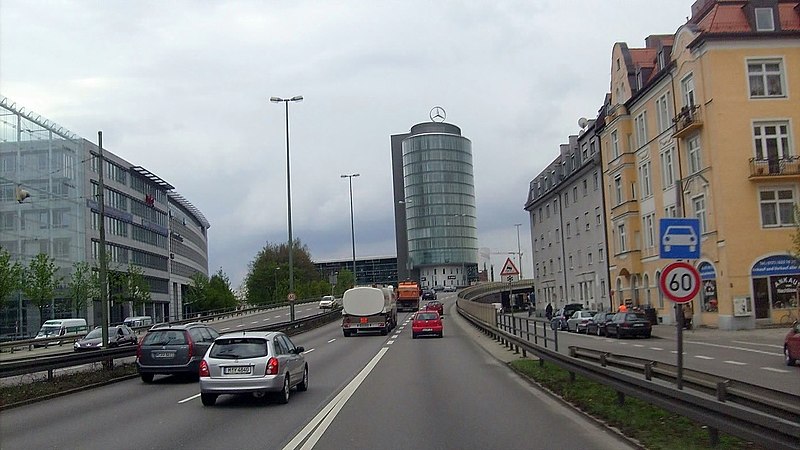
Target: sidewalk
772, 335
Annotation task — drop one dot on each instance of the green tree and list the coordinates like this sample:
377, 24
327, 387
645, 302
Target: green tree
84, 285
220, 295
267, 279
138, 289
196, 293
41, 282
10, 276
344, 281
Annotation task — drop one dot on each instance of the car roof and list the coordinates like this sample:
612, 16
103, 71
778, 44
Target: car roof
176, 326
250, 334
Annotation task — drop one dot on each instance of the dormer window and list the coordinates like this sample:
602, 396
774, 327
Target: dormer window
661, 61
764, 19
639, 81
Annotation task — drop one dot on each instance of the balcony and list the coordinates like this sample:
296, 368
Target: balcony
774, 167
687, 121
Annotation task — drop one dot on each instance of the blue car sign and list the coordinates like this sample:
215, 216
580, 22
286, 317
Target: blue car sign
679, 238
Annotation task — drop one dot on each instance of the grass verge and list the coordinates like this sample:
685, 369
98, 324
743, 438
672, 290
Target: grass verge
653, 427
27, 391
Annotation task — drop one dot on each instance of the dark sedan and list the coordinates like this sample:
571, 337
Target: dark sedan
117, 335
629, 324
429, 294
598, 323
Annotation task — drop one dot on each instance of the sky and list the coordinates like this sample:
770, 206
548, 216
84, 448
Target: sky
182, 88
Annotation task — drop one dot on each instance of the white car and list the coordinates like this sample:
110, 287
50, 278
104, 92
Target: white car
579, 319
328, 302
681, 235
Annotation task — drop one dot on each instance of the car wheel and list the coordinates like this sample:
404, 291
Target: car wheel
303, 386
147, 377
441, 335
208, 399
647, 335
789, 360
346, 333
283, 395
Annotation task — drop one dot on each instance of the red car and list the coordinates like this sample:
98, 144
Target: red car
791, 345
426, 323
435, 306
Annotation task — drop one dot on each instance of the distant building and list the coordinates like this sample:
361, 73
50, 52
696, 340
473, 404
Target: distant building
378, 270
147, 224
434, 203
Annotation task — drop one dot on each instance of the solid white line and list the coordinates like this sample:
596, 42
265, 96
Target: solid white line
760, 345
703, 357
772, 369
189, 399
314, 430
735, 348
309, 351
331, 340
656, 348
735, 363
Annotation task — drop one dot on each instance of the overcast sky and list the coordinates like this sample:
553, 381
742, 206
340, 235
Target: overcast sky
182, 89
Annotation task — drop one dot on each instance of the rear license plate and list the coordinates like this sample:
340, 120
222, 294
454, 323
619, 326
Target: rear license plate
427, 329
237, 370
638, 324
365, 325
163, 355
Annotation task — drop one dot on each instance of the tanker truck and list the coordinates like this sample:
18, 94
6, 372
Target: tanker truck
368, 309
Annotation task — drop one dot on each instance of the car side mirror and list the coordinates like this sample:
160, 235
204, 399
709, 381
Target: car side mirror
299, 349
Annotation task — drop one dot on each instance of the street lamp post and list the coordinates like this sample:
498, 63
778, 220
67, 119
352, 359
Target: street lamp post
285, 101
352, 227
276, 284
519, 250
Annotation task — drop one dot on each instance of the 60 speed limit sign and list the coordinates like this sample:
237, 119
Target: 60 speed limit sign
680, 282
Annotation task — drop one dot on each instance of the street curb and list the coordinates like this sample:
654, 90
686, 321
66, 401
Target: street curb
67, 392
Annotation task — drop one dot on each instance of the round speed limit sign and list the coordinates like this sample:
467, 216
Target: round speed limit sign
680, 282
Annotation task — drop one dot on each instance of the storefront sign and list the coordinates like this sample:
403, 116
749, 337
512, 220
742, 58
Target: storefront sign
776, 265
707, 271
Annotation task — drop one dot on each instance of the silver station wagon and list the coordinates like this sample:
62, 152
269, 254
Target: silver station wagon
254, 363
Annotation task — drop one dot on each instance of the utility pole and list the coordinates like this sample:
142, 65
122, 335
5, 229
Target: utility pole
519, 250
102, 253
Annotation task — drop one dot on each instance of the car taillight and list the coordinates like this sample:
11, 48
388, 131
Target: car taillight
204, 369
139, 350
272, 366
191, 347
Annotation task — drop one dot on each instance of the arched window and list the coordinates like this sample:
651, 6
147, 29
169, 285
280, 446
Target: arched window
646, 285
620, 300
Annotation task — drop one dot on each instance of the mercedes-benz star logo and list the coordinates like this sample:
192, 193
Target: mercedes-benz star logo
438, 114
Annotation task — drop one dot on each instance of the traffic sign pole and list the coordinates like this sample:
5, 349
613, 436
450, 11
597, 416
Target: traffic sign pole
680, 282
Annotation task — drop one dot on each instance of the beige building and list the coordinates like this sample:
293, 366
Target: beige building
703, 124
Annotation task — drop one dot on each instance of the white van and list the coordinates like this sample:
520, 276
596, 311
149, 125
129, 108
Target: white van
138, 321
61, 327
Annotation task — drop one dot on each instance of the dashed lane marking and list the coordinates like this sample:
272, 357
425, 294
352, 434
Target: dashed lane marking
309, 351
390, 342
772, 369
189, 398
703, 357
331, 340
656, 348
638, 345
254, 322
735, 363
240, 325
277, 317
760, 345
224, 329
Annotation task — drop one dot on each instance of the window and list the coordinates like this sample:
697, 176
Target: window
699, 205
649, 231
575, 194
644, 179
764, 19
580, 259
589, 258
592, 148
547, 209
558, 235
687, 89
566, 199
603, 288
662, 111
570, 262
585, 151
569, 229
618, 189
614, 144
765, 78
586, 219
777, 207
693, 150
585, 187
596, 181
641, 129
598, 222
540, 215
600, 254
577, 226
621, 244
671, 211
771, 140
668, 167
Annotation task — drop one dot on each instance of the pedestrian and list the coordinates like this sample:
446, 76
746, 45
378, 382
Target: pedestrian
687, 316
623, 308
548, 312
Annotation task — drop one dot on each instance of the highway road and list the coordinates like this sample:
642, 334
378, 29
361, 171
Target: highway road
365, 392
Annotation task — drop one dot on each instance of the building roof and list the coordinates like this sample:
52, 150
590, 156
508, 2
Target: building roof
179, 199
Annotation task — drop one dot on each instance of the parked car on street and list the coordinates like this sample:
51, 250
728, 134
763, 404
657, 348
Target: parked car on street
435, 305
791, 345
173, 349
118, 335
426, 323
450, 288
629, 323
429, 294
559, 320
328, 302
438, 288
598, 323
255, 363
579, 319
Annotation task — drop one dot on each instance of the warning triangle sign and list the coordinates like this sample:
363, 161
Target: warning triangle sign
509, 268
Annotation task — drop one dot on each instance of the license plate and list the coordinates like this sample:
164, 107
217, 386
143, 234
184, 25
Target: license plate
237, 370
365, 325
638, 324
427, 329
163, 355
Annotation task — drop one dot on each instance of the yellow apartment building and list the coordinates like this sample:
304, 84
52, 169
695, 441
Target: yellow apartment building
704, 123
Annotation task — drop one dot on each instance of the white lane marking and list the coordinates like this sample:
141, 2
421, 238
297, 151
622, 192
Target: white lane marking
703, 357
331, 340
316, 428
390, 342
735, 363
760, 345
638, 345
277, 317
265, 320
309, 351
744, 349
189, 399
396, 336
401, 327
254, 322
772, 369
656, 348
224, 329
240, 325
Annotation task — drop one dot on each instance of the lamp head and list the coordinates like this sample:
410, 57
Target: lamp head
275, 99
296, 98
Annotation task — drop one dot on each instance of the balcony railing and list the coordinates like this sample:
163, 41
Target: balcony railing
687, 120
770, 167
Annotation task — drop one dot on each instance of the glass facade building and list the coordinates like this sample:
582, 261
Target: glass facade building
438, 215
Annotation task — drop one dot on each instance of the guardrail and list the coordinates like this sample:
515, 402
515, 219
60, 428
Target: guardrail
762, 415
107, 356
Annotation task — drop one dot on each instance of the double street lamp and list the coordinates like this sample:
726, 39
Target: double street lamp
352, 228
285, 101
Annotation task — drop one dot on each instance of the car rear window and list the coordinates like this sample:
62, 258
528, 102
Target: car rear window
428, 316
235, 348
635, 316
165, 337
